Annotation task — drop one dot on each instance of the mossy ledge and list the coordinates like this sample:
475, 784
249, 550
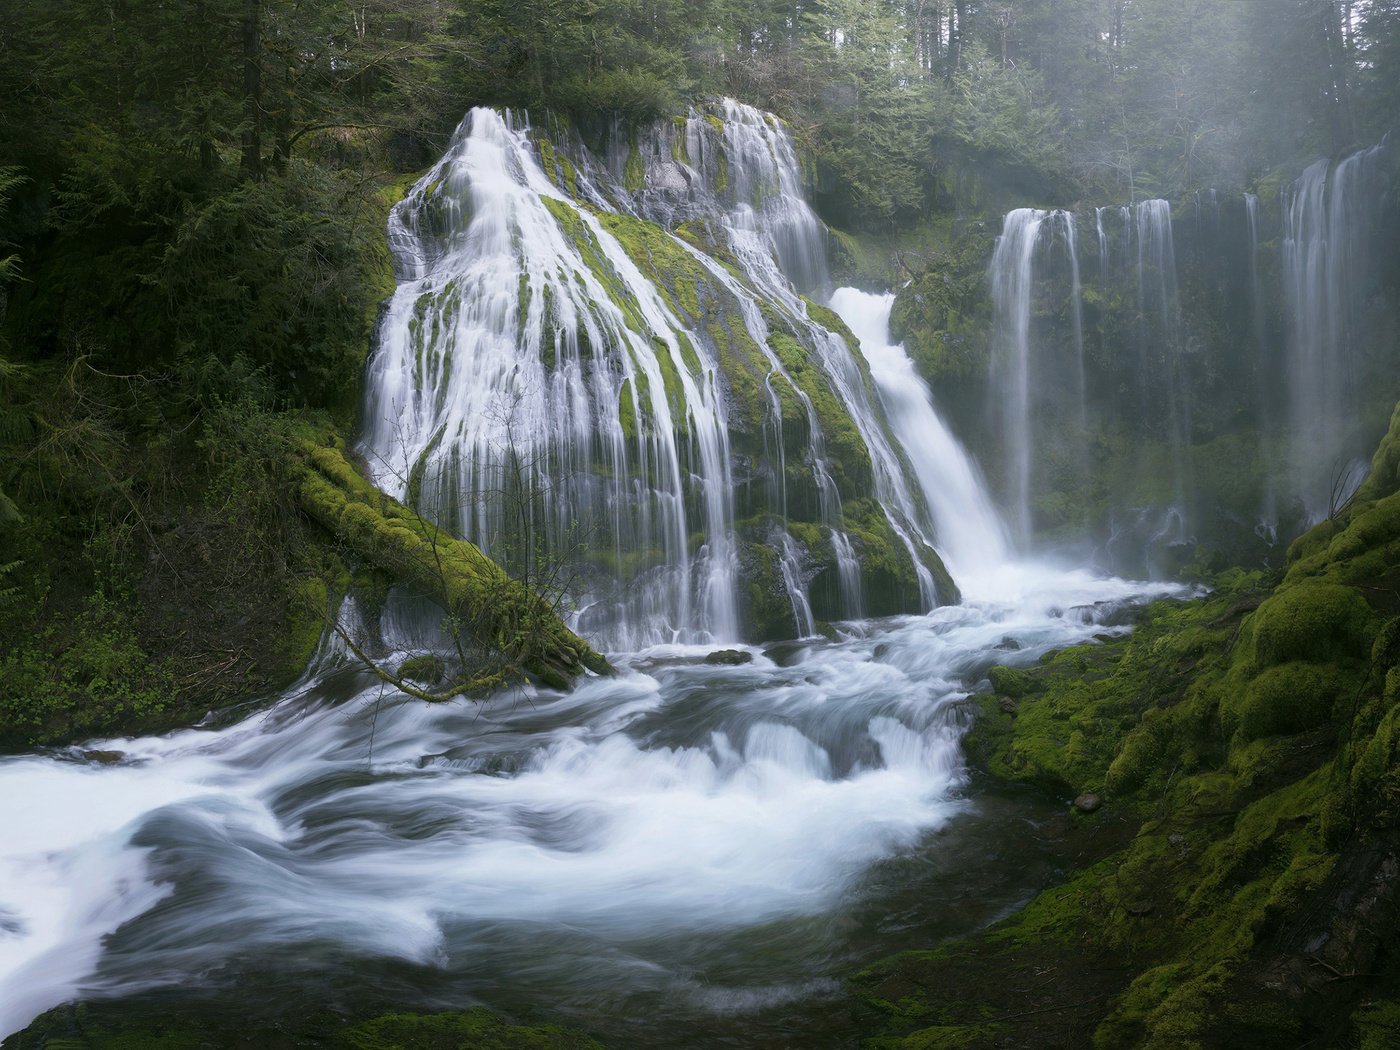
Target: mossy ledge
1240, 886
499, 611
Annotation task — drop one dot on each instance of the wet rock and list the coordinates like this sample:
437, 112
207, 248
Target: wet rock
1009, 645
1088, 802
729, 657
1176, 840
1138, 908
784, 654
1007, 704
104, 758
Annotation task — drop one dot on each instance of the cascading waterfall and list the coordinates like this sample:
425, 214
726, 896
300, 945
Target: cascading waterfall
971, 535
535, 390
1011, 297
780, 245
679, 848
509, 378
1267, 526
1035, 270
1159, 344
1017, 361
1327, 214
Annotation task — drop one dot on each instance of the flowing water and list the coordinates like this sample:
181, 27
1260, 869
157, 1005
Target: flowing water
683, 855
1328, 216
684, 846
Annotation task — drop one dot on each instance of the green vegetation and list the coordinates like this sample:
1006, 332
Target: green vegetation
518, 630
1246, 746
100, 1026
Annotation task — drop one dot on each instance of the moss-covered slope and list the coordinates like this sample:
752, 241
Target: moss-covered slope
1248, 744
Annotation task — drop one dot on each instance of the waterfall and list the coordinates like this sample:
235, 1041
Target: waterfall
970, 534
518, 398
1020, 366
1011, 299
543, 388
1327, 214
1267, 526
1159, 342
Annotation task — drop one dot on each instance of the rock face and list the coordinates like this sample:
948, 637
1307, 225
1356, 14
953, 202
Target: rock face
619, 336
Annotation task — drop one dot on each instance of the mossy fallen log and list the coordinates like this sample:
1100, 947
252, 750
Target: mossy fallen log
519, 628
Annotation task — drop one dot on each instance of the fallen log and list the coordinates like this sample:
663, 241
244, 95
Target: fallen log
498, 612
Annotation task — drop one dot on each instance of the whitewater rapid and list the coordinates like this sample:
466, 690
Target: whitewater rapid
678, 800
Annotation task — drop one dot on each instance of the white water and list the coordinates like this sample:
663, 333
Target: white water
534, 390
679, 843
504, 368
1012, 284
969, 533
630, 817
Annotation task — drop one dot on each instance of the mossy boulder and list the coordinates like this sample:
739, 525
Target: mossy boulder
1312, 621
1287, 698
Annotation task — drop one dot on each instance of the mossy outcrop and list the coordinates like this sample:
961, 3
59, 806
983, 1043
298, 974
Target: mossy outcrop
780, 406
518, 627
1241, 886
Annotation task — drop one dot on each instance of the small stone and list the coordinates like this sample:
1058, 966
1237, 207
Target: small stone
1009, 645
1138, 908
729, 657
1176, 840
1007, 704
105, 758
1088, 802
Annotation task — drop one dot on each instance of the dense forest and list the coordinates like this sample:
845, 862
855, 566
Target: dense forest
245, 473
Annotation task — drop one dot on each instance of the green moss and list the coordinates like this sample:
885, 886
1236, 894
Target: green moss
497, 610
1286, 698
473, 1030
1008, 681
1313, 621
1376, 1024
635, 174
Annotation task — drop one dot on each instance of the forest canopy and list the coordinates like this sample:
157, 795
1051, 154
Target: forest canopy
201, 152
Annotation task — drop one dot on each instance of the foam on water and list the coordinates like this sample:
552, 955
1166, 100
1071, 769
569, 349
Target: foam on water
635, 813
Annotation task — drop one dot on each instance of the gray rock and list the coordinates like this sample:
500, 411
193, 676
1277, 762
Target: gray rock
1088, 802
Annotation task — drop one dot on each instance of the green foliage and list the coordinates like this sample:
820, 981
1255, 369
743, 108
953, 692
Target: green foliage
474, 1030
82, 678
1001, 115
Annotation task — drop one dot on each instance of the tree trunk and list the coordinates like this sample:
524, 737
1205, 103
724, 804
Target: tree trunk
519, 629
